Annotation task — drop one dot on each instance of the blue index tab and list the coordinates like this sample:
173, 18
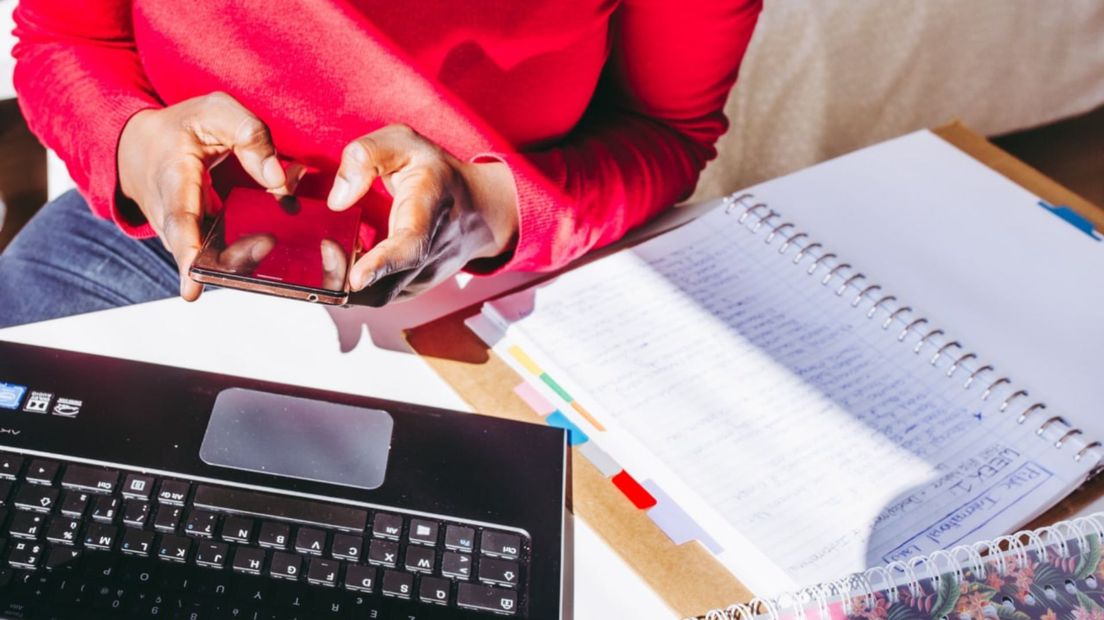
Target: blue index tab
1073, 218
559, 420
11, 395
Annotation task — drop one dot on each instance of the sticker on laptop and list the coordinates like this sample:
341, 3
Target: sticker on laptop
11, 395
38, 402
67, 407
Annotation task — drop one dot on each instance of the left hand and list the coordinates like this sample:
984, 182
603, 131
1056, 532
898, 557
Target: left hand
445, 213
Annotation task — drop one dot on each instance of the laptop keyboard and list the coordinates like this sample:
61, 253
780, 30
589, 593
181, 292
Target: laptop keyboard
123, 544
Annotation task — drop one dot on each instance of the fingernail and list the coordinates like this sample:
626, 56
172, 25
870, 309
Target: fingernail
339, 194
273, 172
361, 279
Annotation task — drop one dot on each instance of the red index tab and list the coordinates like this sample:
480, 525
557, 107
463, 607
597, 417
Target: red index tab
640, 497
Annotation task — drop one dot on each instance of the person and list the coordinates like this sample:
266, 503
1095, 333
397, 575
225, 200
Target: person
485, 135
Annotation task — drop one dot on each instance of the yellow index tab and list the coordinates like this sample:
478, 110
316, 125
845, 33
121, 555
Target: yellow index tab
525, 360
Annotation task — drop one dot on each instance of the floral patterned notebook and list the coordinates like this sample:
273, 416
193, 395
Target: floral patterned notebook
1053, 573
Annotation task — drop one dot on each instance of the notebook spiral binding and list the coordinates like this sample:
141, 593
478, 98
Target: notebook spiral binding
758, 216
857, 593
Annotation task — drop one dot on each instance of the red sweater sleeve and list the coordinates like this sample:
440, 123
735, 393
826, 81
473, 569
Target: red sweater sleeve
647, 135
79, 80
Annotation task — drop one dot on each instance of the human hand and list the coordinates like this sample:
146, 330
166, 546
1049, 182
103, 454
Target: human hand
164, 156
445, 213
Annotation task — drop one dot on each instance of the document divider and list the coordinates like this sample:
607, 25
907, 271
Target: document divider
686, 576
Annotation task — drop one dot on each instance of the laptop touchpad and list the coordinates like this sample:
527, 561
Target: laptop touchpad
298, 438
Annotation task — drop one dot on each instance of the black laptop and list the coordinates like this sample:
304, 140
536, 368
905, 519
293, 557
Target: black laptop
131, 490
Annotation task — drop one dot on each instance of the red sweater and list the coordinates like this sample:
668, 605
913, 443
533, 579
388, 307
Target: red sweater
605, 110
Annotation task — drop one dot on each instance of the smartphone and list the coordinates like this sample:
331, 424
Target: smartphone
289, 247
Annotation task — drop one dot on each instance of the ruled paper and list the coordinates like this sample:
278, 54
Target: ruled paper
799, 431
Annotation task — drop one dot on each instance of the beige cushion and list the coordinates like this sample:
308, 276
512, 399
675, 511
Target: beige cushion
824, 77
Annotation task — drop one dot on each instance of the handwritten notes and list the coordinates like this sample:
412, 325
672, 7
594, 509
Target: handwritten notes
782, 417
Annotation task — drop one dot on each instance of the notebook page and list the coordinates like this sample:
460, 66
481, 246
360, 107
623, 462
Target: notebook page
974, 252
792, 427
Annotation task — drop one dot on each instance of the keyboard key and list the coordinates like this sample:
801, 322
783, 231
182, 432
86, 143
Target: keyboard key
104, 509
419, 559
347, 547
212, 554
310, 541
42, 471
60, 558
486, 598
248, 560
294, 603
434, 590
459, 538
253, 591
5, 491
456, 565
168, 517
387, 526
173, 492
500, 544
359, 578
100, 565
498, 572
423, 532
91, 479
137, 542
100, 536
138, 486
237, 529
274, 535
331, 606
36, 498
10, 465
201, 523
63, 531
397, 584
264, 505
323, 572
74, 503
25, 554
174, 548
383, 553
26, 525
135, 512
285, 566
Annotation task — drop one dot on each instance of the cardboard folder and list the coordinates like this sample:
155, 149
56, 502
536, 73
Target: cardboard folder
687, 576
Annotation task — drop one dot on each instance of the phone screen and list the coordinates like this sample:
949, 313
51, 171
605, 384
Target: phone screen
291, 243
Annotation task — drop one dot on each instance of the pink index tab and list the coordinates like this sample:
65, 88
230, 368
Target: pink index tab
538, 403
675, 523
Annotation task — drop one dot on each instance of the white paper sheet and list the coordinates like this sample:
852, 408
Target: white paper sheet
802, 435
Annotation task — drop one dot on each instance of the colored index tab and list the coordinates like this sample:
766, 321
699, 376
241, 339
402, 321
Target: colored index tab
1073, 218
484, 329
637, 494
675, 523
525, 360
538, 403
556, 387
559, 420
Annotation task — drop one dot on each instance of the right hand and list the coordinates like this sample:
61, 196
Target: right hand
164, 156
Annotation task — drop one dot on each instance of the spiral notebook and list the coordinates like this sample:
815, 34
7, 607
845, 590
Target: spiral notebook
885, 355
1052, 573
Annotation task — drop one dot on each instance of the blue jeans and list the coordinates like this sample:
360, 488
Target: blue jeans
68, 261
